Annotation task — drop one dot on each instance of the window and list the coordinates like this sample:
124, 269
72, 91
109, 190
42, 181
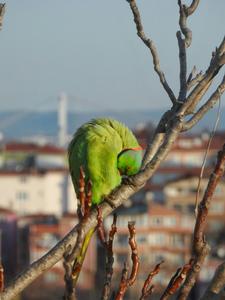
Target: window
156, 221
160, 239
218, 191
121, 259
22, 195
141, 238
51, 276
170, 221
23, 179
157, 239
217, 208
177, 240
122, 239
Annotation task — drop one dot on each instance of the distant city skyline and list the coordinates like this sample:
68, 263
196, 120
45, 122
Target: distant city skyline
90, 50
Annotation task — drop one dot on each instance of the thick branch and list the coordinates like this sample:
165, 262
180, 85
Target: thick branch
149, 43
157, 138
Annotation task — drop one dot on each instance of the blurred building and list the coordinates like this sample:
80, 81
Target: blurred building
181, 195
161, 233
44, 232
34, 191
8, 243
19, 155
39, 177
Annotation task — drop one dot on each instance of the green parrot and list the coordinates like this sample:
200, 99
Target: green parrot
106, 150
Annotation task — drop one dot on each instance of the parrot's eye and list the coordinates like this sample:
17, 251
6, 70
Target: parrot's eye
128, 170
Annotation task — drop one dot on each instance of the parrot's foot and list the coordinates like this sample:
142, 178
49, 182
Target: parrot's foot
110, 201
128, 181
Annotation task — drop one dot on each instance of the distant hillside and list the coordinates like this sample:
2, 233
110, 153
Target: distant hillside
25, 124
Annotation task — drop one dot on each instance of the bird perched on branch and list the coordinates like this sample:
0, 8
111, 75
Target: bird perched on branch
106, 150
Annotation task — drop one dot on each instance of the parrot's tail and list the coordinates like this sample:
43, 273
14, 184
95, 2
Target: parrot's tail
77, 265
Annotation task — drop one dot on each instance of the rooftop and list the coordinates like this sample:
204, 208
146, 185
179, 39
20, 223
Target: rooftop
15, 146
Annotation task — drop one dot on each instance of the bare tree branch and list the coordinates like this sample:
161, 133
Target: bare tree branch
218, 60
183, 68
205, 108
2, 279
217, 284
183, 44
149, 43
192, 7
119, 195
147, 289
126, 282
157, 138
176, 281
200, 246
192, 81
185, 12
108, 245
2, 12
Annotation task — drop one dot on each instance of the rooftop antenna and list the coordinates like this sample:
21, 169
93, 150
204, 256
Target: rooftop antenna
62, 120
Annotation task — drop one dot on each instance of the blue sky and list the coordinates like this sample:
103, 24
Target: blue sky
89, 49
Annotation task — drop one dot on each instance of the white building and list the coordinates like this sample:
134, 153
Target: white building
32, 192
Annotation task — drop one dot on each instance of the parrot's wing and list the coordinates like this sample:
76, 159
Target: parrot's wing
104, 145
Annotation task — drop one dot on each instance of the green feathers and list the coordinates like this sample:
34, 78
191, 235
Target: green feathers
106, 149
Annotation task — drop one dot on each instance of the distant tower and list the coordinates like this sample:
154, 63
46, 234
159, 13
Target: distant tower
62, 120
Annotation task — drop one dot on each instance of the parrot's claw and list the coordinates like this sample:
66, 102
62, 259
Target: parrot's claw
110, 201
128, 181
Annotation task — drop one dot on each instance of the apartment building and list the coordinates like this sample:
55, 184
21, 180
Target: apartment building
161, 233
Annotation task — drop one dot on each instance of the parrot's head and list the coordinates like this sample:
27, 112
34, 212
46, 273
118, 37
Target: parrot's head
129, 161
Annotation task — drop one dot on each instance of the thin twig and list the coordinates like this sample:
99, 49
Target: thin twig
176, 281
109, 260
149, 43
73, 257
198, 92
194, 80
206, 107
205, 157
147, 289
183, 68
125, 281
193, 6
2, 281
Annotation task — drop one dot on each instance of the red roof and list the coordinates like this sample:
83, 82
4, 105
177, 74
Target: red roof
34, 172
162, 210
191, 142
31, 147
7, 211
